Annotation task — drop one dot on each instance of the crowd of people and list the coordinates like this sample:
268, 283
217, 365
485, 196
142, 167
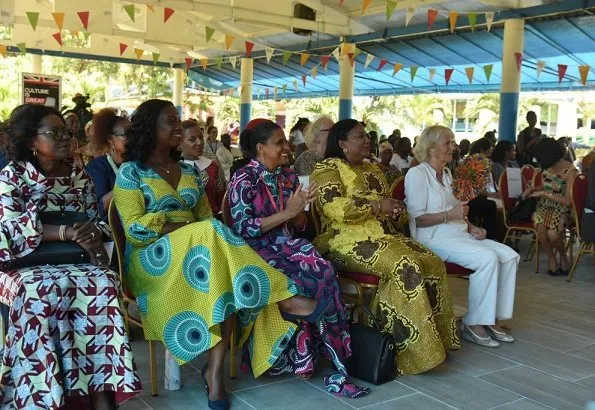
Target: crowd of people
195, 277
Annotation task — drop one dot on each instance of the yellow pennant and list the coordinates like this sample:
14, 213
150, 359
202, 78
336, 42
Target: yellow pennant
229, 41
397, 68
304, 58
204, 62
59, 19
139, 52
365, 5
151, 7
469, 71
584, 72
452, 17
3, 50
314, 72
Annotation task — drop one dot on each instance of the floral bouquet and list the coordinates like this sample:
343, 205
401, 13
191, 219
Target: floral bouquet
471, 177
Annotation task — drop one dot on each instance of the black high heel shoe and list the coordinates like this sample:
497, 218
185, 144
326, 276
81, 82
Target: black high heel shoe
222, 404
312, 317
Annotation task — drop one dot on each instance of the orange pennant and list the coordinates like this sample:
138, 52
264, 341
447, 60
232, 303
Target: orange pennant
432, 14
229, 41
3, 50
204, 62
59, 19
452, 17
151, 7
304, 58
139, 52
469, 71
584, 72
167, 13
397, 68
365, 5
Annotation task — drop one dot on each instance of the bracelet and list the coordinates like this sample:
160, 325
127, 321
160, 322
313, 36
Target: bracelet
62, 232
445, 217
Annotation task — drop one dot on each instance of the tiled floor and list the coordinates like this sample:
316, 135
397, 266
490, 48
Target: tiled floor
551, 365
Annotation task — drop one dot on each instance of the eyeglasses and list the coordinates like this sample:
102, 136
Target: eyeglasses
59, 134
121, 136
324, 129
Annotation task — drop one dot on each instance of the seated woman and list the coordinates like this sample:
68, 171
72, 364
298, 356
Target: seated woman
439, 221
552, 215
359, 234
391, 173
65, 321
227, 154
503, 156
210, 171
109, 134
316, 135
176, 248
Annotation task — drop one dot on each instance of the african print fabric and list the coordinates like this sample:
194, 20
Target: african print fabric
550, 213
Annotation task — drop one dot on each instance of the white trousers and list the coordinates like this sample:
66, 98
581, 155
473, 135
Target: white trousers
492, 285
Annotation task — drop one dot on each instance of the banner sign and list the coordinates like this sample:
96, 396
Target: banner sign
41, 89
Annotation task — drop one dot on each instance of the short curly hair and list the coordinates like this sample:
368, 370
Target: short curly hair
103, 125
142, 135
429, 139
23, 127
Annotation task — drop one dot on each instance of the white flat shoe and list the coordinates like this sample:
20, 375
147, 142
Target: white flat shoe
471, 336
498, 335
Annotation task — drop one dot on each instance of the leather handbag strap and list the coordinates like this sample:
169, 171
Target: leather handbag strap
370, 314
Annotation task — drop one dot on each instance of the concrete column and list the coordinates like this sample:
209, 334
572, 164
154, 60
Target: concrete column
346, 75
36, 63
514, 32
179, 90
246, 76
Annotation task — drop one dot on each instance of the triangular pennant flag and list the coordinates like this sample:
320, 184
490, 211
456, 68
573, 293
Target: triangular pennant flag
365, 5
336, 53
33, 17
167, 13
266, 93
188, 61
341, 2
452, 18
519, 60
249, 47
304, 77
472, 20
151, 7
22, 48
58, 37
269, 53
540, 67
59, 19
431, 73
490, 19
204, 62
432, 14
447, 74
84, 17
229, 39
369, 59
139, 52
469, 71
234, 61
155, 57
397, 68
284, 88
304, 58
129, 9
314, 72
86, 35
295, 86
123, 48
584, 73
351, 57
391, 5
410, 13
286, 56
356, 51
275, 92
561, 71
3, 50
343, 49
209, 33
219, 62
324, 61
381, 64
413, 71
487, 69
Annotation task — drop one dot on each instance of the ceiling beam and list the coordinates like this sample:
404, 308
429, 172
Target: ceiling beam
403, 4
330, 13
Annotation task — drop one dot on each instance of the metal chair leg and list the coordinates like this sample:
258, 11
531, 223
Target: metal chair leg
575, 262
233, 372
153, 369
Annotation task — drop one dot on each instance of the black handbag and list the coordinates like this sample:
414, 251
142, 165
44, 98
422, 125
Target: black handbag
373, 351
55, 252
523, 210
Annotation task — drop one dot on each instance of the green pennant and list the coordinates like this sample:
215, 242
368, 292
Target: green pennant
390, 8
155, 58
487, 69
86, 35
356, 52
209, 31
472, 20
33, 17
284, 87
22, 48
129, 9
413, 71
286, 56
219, 62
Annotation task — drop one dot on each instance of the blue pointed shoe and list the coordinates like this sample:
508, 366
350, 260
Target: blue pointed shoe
213, 404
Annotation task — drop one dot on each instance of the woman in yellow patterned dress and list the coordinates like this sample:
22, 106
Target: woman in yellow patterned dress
359, 234
189, 272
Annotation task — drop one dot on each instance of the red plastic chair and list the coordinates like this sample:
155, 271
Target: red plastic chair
527, 174
579, 195
398, 189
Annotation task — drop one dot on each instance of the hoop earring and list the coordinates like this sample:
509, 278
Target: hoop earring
34, 152
345, 150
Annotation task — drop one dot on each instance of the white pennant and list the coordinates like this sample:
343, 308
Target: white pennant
295, 86
369, 59
490, 19
336, 53
540, 67
233, 60
258, 94
410, 13
275, 90
269, 53
240, 90
432, 72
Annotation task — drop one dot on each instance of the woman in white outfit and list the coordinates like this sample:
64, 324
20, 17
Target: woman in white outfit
438, 220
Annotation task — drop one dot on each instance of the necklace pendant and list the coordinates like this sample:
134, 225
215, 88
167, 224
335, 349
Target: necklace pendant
167, 172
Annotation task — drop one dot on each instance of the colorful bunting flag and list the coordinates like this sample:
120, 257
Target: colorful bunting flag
336, 53
452, 18
381, 64
470, 71
249, 46
204, 62
167, 13
324, 61
397, 68
130, 10
314, 72
286, 56
22, 48
561, 72
351, 57
410, 13
472, 20
139, 52
295, 86
209, 33
266, 93
3, 50
341, 2
155, 57
123, 48
84, 17
229, 39
58, 37
391, 5
151, 7
234, 61
369, 59
33, 17
275, 92
447, 74
304, 77
304, 58
519, 60
432, 14
490, 19
413, 72
59, 20
188, 61
487, 69
356, 51
284, 88
540, 67
219, 62
365, 5
269, 53
584, 73
431, 73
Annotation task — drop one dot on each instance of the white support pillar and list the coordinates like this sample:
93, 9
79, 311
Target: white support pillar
179, 90
514, 34
246, 77
346, 75
36, 63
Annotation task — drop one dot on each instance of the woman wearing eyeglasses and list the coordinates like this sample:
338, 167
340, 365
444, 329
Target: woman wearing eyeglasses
109, 135
66, 334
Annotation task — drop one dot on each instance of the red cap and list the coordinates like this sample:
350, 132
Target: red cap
255, 122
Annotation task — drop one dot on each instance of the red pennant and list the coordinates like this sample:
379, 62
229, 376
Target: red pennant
58, 37
249, 47
341, 2
167, 13
561, 71
448, 73
188, 62
304, 76
266, 92
351, 57
519, 60
84, 16
123, 48
432, 14
381, 64
324, 61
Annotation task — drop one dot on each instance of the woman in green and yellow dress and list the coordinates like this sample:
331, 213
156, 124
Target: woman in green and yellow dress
359, 233
189, 272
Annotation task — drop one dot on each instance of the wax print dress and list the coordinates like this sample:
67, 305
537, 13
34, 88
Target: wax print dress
189, 281
413, 295
66, 334
256, 193
549, 213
